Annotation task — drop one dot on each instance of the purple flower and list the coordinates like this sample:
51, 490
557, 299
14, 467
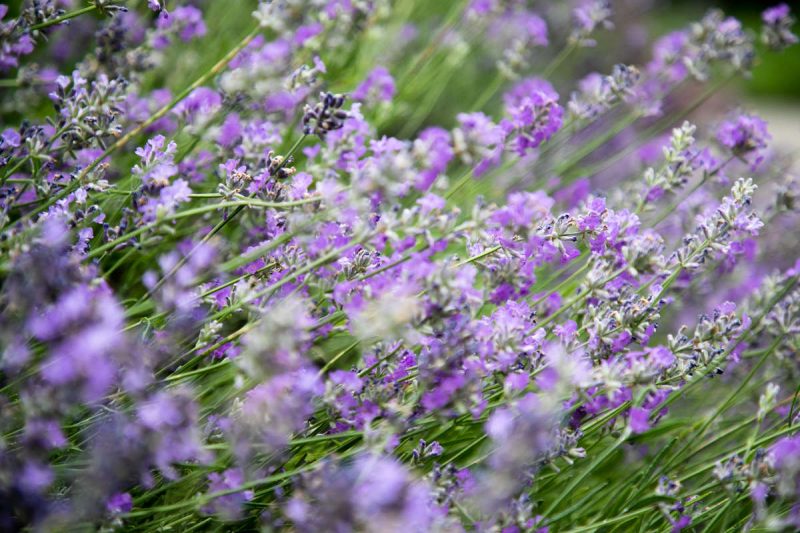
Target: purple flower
231, 130
43, 434
278, 408
785, 453
374, 493
517, 381
119, 503
667, 54
199, 107
587, 17
480, 7
681, 523
522, 89
10, 137
660, 357
83, 329
377, 87
14, 45
522, 435
433, 146
158, 196
177, 292
639, 420
156, 166
775, 14
167, 424
523, 208
185, 21
35, 477
777, 30
744, 134
521, 25
566, 332
306, 32
478, 141
535, 118
759, 492
229, 506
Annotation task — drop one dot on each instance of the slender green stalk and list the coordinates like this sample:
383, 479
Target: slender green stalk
64, 17
194, 212
579, 478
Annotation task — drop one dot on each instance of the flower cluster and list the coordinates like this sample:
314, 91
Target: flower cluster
329, 274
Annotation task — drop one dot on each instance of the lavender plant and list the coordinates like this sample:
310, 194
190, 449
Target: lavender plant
392, 265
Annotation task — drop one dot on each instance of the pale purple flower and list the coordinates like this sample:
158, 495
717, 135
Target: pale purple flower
639, 420
229, 506
186, 21
478, 141
374, 493
156, 166
17, 45
201, 104
587, 17
535, 119
276, 409
785, 453
566, 332
660, 357
434, 147
744, 134
777, 30
119, 503
377, 87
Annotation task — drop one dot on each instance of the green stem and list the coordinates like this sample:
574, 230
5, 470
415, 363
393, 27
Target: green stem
556, 62
327, 366
488, 92
588, 148
322, 260
192, 212
64, 17
611, 521
578, 479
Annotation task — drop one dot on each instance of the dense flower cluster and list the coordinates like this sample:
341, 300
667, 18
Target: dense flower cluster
313, 288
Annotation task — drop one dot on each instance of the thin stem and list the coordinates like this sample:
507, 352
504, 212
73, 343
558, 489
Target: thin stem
64, 17
556, 62
488, 92
423, 56
691, 191
322, 260
578, 479
575, 275
327, 366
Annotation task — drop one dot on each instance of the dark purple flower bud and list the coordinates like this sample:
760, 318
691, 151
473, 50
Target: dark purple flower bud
325, 116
